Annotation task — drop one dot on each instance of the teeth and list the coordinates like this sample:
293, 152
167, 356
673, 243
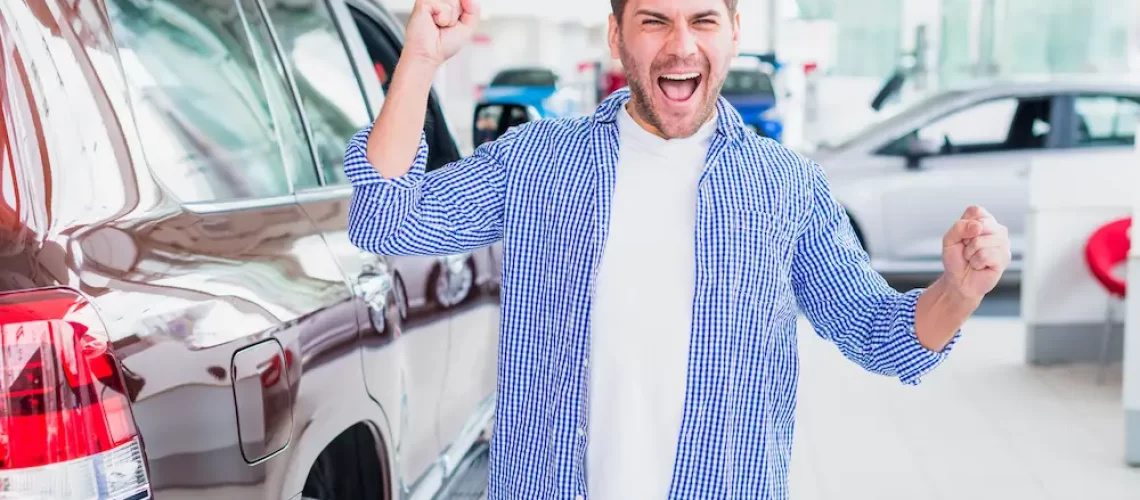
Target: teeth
681, 76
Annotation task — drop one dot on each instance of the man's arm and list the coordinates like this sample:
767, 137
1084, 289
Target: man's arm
451, 210
396, 208
902, 335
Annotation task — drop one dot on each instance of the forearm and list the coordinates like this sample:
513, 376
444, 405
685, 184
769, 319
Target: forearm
940, 313
395, 138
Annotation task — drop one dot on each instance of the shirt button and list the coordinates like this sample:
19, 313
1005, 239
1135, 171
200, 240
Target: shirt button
581, 432
586, 363
579, 497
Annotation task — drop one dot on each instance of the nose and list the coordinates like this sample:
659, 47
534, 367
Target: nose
682, 42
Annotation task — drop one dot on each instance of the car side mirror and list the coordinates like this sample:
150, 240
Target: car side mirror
919, 148
492, 120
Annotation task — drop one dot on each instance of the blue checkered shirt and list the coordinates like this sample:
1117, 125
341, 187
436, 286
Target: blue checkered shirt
771, 241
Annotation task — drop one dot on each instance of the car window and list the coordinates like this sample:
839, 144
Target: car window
987, 123
747, 82
210, 108
325, 80
1004, 124
525, 78
493, 120
384, 50
1106, 120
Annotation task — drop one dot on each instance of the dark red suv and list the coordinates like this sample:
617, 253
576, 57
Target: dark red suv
181, 312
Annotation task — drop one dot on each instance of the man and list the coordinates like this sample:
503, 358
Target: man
656, 254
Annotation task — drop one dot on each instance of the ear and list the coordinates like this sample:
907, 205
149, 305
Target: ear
736, 33
614, 37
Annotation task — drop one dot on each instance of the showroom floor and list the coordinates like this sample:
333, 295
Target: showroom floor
983, 426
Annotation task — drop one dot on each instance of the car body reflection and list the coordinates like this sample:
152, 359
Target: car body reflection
154, 158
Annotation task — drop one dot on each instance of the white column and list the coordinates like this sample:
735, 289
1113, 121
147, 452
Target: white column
1131, 395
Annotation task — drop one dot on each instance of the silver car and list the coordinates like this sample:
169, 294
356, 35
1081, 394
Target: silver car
908, 176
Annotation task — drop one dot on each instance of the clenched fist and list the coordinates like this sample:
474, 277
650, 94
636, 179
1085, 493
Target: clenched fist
975, 253
437, 29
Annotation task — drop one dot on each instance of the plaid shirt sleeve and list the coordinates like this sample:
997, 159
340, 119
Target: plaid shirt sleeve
850, 304
454, 209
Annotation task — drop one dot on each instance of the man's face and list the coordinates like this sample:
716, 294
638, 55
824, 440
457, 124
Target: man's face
676, 54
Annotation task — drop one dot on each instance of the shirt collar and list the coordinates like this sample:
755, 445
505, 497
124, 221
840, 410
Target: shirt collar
728, 121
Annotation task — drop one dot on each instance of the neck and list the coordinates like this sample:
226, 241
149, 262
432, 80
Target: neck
635, 113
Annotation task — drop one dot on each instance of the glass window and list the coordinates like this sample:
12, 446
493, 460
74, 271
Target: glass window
868, 37
326, 82
209, 114
1106, 120
1005, 124
1064, 36
384, 50
493, 120
747, 82
525, 78
987, 123
816, 9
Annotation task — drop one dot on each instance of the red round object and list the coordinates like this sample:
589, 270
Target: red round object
1107, 248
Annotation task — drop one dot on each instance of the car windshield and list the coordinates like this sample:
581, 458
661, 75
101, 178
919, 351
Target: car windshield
888, 119
754, 82
525, 78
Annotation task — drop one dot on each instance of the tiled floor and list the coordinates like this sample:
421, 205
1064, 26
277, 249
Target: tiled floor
983, 426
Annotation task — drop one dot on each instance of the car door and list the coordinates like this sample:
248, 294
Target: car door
404, 342
459, 289
975, 154
223, 306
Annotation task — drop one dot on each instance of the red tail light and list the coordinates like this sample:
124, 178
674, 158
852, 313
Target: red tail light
66, 429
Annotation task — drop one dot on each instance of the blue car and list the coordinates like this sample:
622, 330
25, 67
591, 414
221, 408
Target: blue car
750, 89
536, 88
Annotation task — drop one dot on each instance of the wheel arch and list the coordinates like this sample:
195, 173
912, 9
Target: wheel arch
330, 423
349, 466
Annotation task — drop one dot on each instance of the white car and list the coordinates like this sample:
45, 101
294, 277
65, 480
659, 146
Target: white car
907, 177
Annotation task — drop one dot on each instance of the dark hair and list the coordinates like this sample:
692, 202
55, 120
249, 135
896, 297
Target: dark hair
619, 7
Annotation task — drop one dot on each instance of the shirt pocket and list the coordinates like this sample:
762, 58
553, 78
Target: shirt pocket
763, 248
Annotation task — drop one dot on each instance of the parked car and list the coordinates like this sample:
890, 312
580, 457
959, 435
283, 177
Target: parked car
749, 86
751, 92
182, 314
906, 178
537, 88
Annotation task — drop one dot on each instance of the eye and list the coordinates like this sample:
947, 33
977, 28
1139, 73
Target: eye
706, 20
653, 22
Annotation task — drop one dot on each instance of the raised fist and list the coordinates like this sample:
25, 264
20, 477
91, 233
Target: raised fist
437, 29
975, 253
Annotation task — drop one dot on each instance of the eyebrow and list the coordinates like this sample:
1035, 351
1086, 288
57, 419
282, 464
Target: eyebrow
650, 13
663, 17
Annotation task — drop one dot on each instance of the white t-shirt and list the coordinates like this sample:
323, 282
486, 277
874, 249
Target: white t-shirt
642, 314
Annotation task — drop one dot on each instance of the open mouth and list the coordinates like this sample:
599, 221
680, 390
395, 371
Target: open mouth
679, 87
